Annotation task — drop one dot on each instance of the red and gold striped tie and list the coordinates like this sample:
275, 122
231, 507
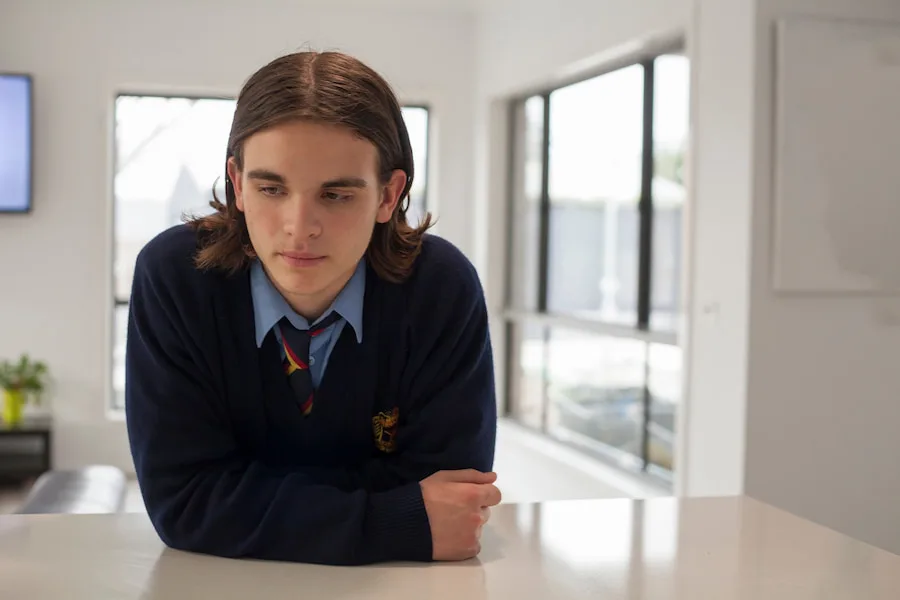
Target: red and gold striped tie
296, 357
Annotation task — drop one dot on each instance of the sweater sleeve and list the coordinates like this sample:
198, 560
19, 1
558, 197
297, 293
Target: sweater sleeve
201, 492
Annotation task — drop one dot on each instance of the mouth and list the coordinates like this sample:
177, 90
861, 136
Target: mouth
301, 259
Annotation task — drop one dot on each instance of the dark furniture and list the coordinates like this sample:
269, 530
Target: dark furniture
26, 452
26, 449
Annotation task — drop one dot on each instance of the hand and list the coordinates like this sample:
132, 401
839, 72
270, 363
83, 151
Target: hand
458, 505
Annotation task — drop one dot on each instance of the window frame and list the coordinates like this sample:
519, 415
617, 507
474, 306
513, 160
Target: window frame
115, 154
424, 170
112, 405
513, 317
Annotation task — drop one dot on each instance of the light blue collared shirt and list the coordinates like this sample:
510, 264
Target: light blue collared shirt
269, 306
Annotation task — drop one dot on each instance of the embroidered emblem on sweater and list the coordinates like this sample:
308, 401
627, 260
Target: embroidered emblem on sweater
384, 426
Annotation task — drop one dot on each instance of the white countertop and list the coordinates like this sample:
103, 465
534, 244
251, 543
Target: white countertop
660, 549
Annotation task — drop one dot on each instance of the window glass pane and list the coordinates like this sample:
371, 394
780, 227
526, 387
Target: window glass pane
169, 153
526, 201
527, 382
596, 390
664, 383
416, 119
596, 130
670, 138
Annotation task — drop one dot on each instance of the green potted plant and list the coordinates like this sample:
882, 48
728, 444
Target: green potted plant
21, 381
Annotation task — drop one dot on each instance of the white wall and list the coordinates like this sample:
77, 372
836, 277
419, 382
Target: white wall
793, 400
526, 43
712, 426
56, 263
823, 378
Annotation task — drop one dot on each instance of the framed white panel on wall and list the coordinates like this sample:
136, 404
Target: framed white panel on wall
836, 218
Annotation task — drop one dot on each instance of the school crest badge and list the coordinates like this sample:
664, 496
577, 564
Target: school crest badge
384, 426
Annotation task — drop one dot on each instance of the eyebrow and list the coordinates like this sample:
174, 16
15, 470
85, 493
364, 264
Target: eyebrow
266, 175
345, 182
340, 182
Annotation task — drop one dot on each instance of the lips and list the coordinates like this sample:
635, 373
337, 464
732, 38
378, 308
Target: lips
302, 255
301, 260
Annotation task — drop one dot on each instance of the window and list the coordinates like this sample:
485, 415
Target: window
416, 119
594, 189
169, 153
595, 261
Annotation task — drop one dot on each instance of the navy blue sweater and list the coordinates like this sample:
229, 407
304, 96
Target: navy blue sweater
227, 464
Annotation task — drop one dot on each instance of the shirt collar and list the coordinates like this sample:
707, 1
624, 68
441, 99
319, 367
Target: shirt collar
269, 306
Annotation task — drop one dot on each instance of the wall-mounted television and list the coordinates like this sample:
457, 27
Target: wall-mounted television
15, 143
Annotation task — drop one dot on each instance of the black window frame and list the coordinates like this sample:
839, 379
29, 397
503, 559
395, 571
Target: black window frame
515, 317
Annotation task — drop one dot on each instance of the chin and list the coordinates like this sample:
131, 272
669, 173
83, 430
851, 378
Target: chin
301, 283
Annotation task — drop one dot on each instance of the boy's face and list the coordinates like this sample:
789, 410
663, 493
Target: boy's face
311, 196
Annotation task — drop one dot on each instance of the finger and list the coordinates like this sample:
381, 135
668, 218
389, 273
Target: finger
485, 514
468, 476
490, 495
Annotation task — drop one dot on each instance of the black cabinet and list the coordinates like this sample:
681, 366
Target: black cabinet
25, 449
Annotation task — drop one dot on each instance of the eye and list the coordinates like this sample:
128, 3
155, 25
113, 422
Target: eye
335, 196
270, 190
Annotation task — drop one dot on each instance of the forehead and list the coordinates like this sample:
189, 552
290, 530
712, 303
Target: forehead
307, 150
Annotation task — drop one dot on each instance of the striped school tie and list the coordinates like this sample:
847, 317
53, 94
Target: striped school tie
296, 357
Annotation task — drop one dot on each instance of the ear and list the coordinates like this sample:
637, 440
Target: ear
390, 195
235, 176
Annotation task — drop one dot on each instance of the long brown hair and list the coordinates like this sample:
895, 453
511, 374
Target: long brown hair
331, 88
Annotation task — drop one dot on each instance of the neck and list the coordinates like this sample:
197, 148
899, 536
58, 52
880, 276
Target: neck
313, 306
307, 307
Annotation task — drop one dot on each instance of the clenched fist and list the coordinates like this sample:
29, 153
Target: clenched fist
458, 505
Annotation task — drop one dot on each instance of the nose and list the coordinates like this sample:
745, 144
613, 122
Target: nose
302, 219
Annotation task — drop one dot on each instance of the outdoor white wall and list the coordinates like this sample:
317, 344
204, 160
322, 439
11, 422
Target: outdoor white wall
56, 285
